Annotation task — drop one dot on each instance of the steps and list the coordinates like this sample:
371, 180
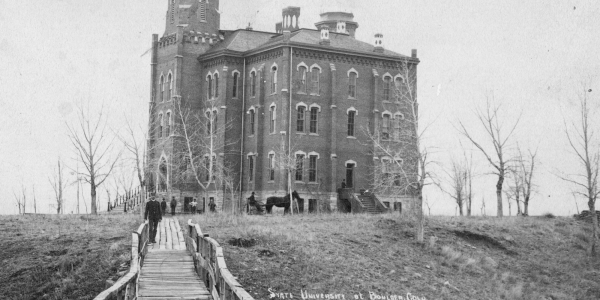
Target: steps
368, 203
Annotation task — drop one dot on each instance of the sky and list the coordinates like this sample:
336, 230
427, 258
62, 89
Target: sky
531, 57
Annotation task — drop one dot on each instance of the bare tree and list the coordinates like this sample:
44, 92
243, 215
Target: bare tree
405, 169
460, 179
59, 184
514, 189
21, 200
527, 168
134, 145
499, 138
94, 148
584, 143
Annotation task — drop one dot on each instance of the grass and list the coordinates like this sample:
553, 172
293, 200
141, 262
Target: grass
62, 257
463, 258
71, 257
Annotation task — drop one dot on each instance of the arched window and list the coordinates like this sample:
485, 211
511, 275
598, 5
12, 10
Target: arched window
398, 82
252, 119
170, 86
350, 165
274, 80
398, 118
253, 83
250, 168
387, 82
166, 89
168, 129
160, 125
300, 119
314, 117
216, 82
385, 127
271, 166
312, 167
236, 77
272, 117
314, 87
209, 86
208, 122
162, 175
215, 122
302, 74
161, 88
351, 121
299, 166
352, 84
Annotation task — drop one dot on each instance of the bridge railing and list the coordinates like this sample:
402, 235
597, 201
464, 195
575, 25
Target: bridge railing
129, 200
126, 287
210, 266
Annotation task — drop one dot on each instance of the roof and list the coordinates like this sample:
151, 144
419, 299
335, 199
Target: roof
247, 40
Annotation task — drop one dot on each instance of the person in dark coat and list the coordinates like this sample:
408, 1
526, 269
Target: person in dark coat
343, 183
173, 205
252, 201
163, 206
153, 215
212, 205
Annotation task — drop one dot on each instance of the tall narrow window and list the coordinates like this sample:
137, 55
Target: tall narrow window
350, 175
312, 168
213, 167
272, 115
351, 115
314, 114
209, 91
274, 80
170, 86
385, 127
208, 122
250, 168
235, 84
160, 125
172, 11
253, 84
315, 81
161, 87
302, 74
215, 122
252, 121
207, 168
168, 131
398, 87
299, 166
397, 121
202, 10
352, 85
387, 82
166, 88
216, 80
300, 119
271, 166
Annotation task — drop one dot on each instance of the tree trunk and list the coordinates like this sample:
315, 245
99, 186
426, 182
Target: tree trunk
499, 194
93, 207
592, 205
526, 206
419, 212
460, 207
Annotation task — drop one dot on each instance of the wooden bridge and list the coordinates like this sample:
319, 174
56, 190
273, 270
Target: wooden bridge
178, 266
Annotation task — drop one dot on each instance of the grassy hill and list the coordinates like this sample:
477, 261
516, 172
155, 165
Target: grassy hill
325, 256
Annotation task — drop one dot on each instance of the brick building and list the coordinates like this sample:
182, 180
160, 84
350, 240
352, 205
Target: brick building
305, 94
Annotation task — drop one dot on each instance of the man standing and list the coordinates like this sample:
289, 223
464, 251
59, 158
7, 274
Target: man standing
163, 206
173, 205
153, 215
194, 204
212, 205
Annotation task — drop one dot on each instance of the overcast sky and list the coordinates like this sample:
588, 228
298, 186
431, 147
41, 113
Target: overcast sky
531, 55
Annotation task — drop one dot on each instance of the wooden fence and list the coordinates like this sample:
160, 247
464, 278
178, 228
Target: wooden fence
126, 287
210, 265
130, 200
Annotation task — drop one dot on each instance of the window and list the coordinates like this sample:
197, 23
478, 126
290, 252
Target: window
216, 82
299, 166
385, 127
398, 206
209, 87
253, 84
207, 168
214, 122
252, 121
352, 84
351, 117
160, 87
314, 81
272, 115
312, 205
313, 119
386, 203
387, 82
202, 10
160, 125
166, 89
168, 131
271, 166
397, 121
274, 80
398, 86
350, 175
172, 11
300, 119
312, 168
303, 71
208, 122
213, 167
250, 168
170, 88
235, 84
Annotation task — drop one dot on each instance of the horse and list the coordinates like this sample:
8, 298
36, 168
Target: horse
281, 202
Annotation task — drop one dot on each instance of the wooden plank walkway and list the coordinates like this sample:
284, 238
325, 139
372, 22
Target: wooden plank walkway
168, 271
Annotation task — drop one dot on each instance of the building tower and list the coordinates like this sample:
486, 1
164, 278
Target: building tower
191, 28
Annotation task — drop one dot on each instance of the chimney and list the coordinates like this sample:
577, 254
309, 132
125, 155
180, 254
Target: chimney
325, 36
413, 53
249, 27
278, 27
378, 43
290, 18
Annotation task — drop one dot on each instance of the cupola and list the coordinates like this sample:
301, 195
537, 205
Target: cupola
378, 43
325, 35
